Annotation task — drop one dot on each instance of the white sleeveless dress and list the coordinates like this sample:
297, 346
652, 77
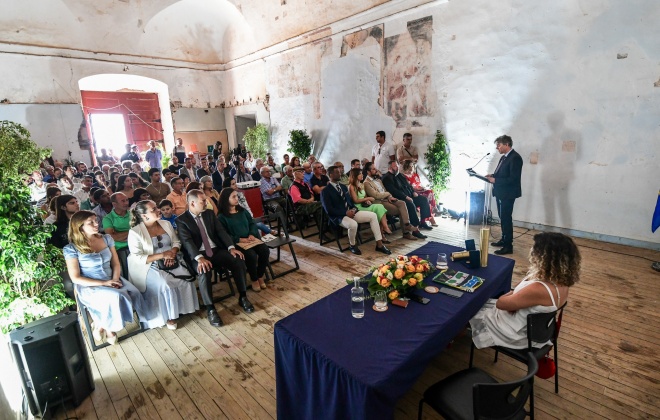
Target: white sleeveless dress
496, 327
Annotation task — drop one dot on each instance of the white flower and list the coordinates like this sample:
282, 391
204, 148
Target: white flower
404, 282
390, 276
375, 273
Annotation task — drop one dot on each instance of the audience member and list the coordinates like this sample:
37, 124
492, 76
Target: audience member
308, 172
304, 203
245, 234
287, 179
137, 181
407, 151
204, 170
256, 171
341, 210
318, 181
366, 203
249, 162
213, 197
117, 224
381, 153
208, 247
286, 162
188, 169
344, 176
242, 201
66, 206
125, 186
94, 268
167, 212
416, 184
400, 188
175, 166
179, 151
102, 197
140, 194
177, 197
156, 268
154, 156
158, 190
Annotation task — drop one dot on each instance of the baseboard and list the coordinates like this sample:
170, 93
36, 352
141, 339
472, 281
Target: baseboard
589, 235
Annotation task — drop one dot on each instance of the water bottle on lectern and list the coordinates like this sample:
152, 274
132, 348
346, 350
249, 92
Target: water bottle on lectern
357, 299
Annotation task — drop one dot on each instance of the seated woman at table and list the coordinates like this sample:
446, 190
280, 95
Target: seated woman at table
365, 203
242, 229
166, 296
408, 171
554, 267
94, 268
242, 201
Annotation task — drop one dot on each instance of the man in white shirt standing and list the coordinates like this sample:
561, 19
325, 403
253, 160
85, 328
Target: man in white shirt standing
382, 153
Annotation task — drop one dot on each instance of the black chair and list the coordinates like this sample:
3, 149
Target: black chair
474, 394
541, 328
301, 221
278, 243
222, 275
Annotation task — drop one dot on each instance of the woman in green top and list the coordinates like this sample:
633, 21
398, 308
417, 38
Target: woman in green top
240, 225
362, 202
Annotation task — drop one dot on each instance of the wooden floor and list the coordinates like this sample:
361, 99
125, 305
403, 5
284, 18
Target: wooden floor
608, 347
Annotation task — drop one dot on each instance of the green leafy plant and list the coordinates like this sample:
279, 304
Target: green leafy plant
256, 140
300, 144
438, 163
165, 161
30, 285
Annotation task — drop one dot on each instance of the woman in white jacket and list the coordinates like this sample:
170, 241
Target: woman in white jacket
166, 292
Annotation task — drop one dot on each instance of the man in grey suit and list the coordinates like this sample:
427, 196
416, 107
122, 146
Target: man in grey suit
208, 246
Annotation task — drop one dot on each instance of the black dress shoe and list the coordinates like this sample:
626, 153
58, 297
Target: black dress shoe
214, 318
384, 250
498, 243
245, 304
355, 250
505, 250
418, 234
425, 226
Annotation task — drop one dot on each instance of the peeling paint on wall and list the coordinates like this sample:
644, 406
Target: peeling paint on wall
408, 66
357, 39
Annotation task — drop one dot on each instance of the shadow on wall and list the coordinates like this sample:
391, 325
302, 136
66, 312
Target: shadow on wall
558, 154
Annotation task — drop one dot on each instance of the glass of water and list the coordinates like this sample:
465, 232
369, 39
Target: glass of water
380, 300
441, 262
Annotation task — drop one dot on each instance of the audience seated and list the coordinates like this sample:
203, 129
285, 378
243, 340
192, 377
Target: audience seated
188, 169
401, 189
304, 202
341, 210
206, 185
416, 184
367, 203
271, 192
117, 224
177, 197
66, 206
318, 181
158, 190
242, 201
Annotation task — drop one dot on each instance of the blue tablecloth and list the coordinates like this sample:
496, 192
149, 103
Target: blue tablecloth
330, 365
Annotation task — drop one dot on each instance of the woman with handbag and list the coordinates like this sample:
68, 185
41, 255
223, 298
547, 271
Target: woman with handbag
157, 269
554, 267
362, 202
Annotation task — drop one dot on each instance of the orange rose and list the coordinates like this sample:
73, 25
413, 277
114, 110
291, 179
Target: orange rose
410, 268
399, 273
385, 282
393, 295
412, 282
419, 276
414, 259
419, 268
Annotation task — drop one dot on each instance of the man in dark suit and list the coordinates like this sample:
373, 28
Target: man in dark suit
337, 203
397, 185
207, 246
506, 188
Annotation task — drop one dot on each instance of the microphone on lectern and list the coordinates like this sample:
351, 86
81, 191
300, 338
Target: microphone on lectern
480, 160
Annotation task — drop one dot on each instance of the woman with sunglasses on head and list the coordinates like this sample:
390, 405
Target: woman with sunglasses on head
156, 268
93, 265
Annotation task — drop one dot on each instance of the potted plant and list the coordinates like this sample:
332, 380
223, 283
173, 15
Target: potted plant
30, 285
256, 140
300, 144
438, 163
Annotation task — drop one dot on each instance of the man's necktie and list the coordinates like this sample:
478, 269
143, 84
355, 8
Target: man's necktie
205, 238
499, 164
341, 193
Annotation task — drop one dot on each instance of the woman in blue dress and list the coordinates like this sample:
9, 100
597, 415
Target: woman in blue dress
166, 292
94, 268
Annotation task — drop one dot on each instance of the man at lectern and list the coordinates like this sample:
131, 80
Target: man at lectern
506, 188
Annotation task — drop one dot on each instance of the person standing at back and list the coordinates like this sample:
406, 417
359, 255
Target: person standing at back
506, 188
154, 156
382, 153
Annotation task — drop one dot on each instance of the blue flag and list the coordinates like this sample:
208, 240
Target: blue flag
656, 215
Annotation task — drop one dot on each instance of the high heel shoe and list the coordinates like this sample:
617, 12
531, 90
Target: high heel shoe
262, 284
256, 287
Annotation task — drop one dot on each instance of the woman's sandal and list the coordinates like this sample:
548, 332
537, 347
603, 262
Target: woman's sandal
98, 334
256, 287
111, 339
262, 283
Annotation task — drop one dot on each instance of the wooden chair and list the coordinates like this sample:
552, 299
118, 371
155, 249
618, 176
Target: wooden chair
474, 394
541, 328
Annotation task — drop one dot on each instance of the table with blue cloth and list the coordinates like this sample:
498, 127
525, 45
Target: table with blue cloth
330, 365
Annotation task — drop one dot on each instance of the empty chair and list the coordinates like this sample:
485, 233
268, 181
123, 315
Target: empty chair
474, 394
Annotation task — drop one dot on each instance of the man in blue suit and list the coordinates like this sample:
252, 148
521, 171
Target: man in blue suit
506, 188
340, 208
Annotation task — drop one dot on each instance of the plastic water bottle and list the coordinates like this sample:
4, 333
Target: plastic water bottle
357, 299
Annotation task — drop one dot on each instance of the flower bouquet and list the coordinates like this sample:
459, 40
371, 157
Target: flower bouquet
399, 276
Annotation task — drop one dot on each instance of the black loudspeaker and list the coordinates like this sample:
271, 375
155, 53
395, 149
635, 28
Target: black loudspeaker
476, 207
52, 360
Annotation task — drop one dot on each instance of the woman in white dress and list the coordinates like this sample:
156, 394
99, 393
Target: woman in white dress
166, 293
554, 267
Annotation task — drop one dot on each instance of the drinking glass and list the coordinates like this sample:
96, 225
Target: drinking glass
380, 300
441, 262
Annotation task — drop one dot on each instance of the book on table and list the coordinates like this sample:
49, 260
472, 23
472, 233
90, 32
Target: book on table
458, 280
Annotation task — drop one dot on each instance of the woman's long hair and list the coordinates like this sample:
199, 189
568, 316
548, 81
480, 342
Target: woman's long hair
407, 165
113, 182
140, 209
194, 185
141, 182
76, 235
554, 257
224, 205
120, 182
60, 213
353, 179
